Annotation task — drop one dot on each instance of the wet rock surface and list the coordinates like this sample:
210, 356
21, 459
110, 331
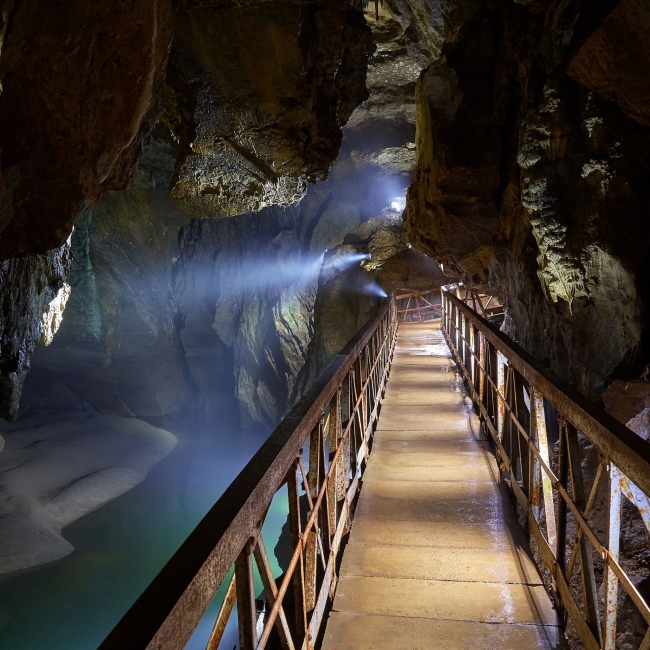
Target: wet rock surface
80, 92
28, 286
526, 173
258, 96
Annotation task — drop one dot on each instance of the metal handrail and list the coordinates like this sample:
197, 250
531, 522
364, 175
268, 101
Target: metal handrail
421, 304
509, 388
338, 416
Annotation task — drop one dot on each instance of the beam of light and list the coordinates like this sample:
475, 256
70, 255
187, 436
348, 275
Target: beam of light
264, 273
398, 204
373, 289
349, 259
341, 262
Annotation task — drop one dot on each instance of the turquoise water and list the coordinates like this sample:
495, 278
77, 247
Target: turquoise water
73, 603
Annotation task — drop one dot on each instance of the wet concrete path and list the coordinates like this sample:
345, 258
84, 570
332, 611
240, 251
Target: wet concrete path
436, 558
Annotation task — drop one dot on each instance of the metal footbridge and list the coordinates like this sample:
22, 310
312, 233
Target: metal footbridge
439, 496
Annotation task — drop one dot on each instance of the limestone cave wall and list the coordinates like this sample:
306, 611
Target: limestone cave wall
169, 311
532, 176
256, 119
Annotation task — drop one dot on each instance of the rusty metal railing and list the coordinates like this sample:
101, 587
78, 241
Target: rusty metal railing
337, 417
417, 306
514, 395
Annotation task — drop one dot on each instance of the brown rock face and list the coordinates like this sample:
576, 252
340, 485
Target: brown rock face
79, 94
626, 399
615, 59
531, 183
27, 286
431, 24
258, 96
454, 213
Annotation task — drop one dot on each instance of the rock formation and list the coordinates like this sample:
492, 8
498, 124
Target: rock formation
31, 289
168, 312
257, 96
257, 119
527, 169
80, 92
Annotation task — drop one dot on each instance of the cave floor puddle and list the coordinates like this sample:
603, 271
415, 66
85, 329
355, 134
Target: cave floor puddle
436, 557
73, 603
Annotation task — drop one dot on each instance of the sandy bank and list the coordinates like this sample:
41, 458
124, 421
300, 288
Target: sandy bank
54, 469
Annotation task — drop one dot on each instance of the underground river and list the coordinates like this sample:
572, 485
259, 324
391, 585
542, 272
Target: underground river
72, 603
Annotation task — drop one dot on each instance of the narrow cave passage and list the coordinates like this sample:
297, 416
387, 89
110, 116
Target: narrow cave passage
217, 217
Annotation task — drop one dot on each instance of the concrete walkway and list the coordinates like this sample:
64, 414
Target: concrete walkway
436, 558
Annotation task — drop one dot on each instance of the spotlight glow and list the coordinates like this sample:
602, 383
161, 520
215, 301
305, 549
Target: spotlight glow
398, 204
255, 273
373, 289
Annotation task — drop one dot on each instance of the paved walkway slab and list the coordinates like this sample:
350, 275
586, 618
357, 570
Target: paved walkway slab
436, 557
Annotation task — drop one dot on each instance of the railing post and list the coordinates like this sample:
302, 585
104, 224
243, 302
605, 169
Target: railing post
489, 385
323, 513
537, 404
354, 415
586, 562
245, 587
611, 581
481, 356
293, 486
443, 312
535, 471
501, 393
508, 425
461, 339
447, 314
522, 445
472, 345
563, 476
450, 320
334, 487
454, 312
345, 417
311, 551
363, 375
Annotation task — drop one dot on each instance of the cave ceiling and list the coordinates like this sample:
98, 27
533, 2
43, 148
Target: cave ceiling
171, 307
257, 96
530, 163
